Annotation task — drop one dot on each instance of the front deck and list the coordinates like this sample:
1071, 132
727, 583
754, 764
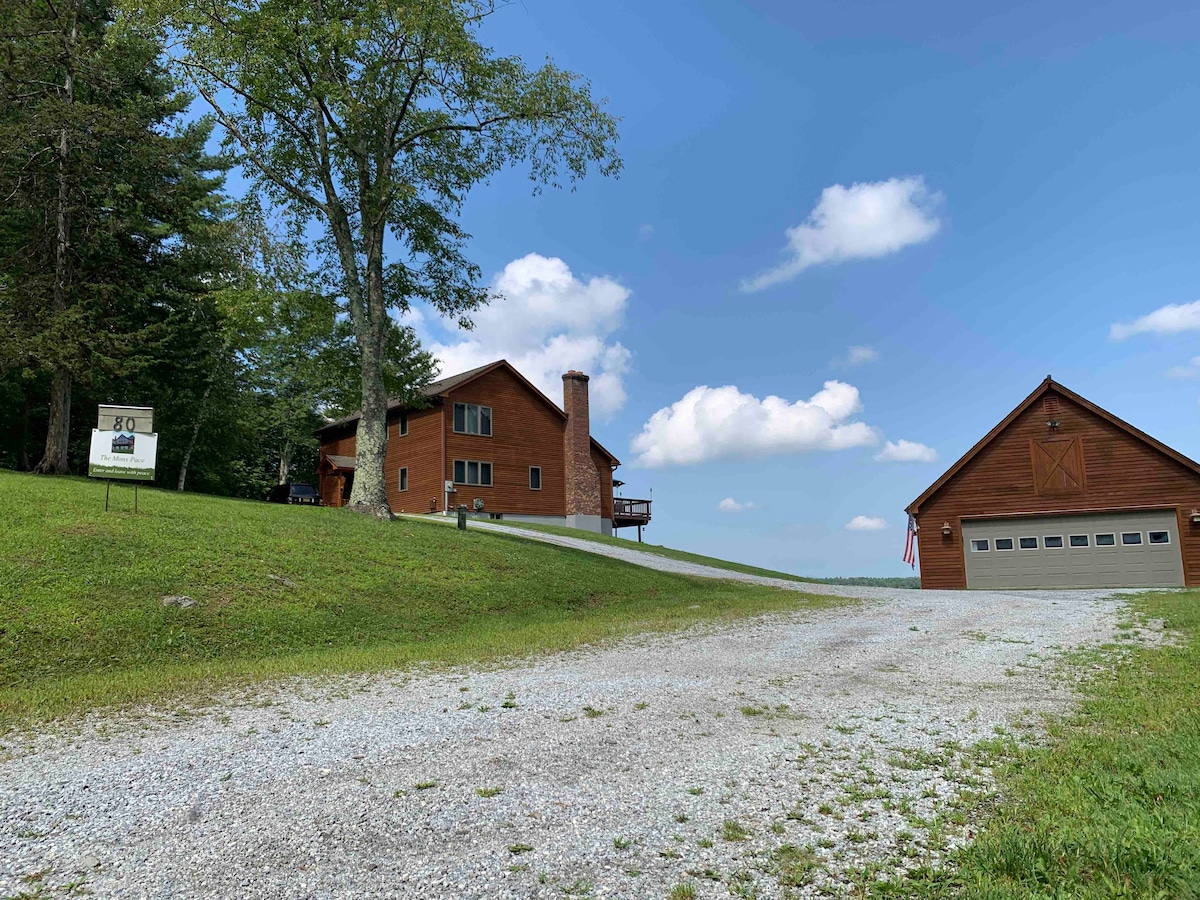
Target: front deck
628, 513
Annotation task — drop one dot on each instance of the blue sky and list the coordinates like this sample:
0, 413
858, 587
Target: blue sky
1044, 175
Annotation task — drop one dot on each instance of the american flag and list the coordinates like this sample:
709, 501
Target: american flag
910, 539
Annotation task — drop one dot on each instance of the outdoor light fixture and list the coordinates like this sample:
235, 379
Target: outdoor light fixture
1053, 423
945, 529
1195, 516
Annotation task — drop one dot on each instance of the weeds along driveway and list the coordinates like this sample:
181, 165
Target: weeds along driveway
768, 759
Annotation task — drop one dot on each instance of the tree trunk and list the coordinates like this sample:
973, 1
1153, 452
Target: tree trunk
369, 318
285, 462
369, 492
58, 434
187, 454
58, 431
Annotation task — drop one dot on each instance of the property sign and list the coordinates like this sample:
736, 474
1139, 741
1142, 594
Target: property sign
122, 454
132, 419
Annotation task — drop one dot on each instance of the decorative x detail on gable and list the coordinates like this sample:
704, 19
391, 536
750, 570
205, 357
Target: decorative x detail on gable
1057, 466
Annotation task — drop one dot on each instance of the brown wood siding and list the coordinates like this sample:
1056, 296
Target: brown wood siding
339, 443
421, 451
1122, 472
604, 467
525, 432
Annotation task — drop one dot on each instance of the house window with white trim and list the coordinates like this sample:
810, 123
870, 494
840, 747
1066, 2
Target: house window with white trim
470, 471
535, 478
402, 425
471, 418
404, 478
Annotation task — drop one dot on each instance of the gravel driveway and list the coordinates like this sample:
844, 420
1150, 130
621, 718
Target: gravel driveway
767, 759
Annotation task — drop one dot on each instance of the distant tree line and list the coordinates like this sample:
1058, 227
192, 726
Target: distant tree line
129, 273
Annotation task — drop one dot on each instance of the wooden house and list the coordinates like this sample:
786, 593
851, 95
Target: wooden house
1062, 494
490, 441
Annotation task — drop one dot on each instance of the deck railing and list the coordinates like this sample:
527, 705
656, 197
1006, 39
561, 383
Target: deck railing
626, 508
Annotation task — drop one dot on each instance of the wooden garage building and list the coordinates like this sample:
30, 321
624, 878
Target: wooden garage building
1062, 494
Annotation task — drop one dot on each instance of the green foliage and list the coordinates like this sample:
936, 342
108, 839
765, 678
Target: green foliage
373, 119
83, 624
1110, 807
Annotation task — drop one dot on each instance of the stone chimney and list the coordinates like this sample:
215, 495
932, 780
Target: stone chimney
583, 480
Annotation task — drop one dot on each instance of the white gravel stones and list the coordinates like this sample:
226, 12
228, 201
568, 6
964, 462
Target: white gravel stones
840, 732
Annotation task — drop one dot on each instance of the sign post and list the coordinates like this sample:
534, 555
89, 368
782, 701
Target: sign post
124, 446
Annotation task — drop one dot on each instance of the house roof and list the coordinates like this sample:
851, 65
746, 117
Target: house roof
1045, 387
340, 462
437, 391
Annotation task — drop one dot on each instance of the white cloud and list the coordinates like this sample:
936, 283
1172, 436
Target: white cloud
721, 423
1191, 370
863, 221
906, 451
866, 523
858, 355
645, 232
1170, 319
544, 322
733, 506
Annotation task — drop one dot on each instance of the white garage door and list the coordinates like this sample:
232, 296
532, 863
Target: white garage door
1129, 549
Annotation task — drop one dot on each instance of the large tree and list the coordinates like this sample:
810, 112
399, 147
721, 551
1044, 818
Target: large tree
112, 221
373, 119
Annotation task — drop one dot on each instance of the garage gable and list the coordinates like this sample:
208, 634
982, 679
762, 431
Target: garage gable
1058, 454
1041, 449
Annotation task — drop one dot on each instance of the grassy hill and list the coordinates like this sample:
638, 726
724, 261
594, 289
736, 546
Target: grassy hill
287, 590
684, 556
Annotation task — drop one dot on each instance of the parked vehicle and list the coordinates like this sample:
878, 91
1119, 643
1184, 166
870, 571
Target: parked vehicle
294, 493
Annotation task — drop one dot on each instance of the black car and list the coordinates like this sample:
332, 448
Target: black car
294, 493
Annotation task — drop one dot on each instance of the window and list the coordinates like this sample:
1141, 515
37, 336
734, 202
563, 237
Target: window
404, 478
1004, 543
1052, 542
402, 427
1079, 540
470, 418
1131, 538
535, 478
1028, 543
469, 471
1106, 540
1160, 537
979, 546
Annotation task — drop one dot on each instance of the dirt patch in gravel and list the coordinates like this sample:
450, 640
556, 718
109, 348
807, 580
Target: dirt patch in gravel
777, 758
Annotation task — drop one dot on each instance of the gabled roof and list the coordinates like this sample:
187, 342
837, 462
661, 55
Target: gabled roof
1045, 387
437, 391
333, 461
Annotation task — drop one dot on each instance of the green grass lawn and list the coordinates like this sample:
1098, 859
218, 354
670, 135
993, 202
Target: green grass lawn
1110, 806
82, 625
684, 556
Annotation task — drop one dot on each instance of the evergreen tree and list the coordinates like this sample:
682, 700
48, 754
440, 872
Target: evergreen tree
114, 233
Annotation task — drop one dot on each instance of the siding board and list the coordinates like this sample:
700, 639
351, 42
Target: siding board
1122, 472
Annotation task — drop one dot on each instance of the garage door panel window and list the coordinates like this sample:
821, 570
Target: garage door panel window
1129, 548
